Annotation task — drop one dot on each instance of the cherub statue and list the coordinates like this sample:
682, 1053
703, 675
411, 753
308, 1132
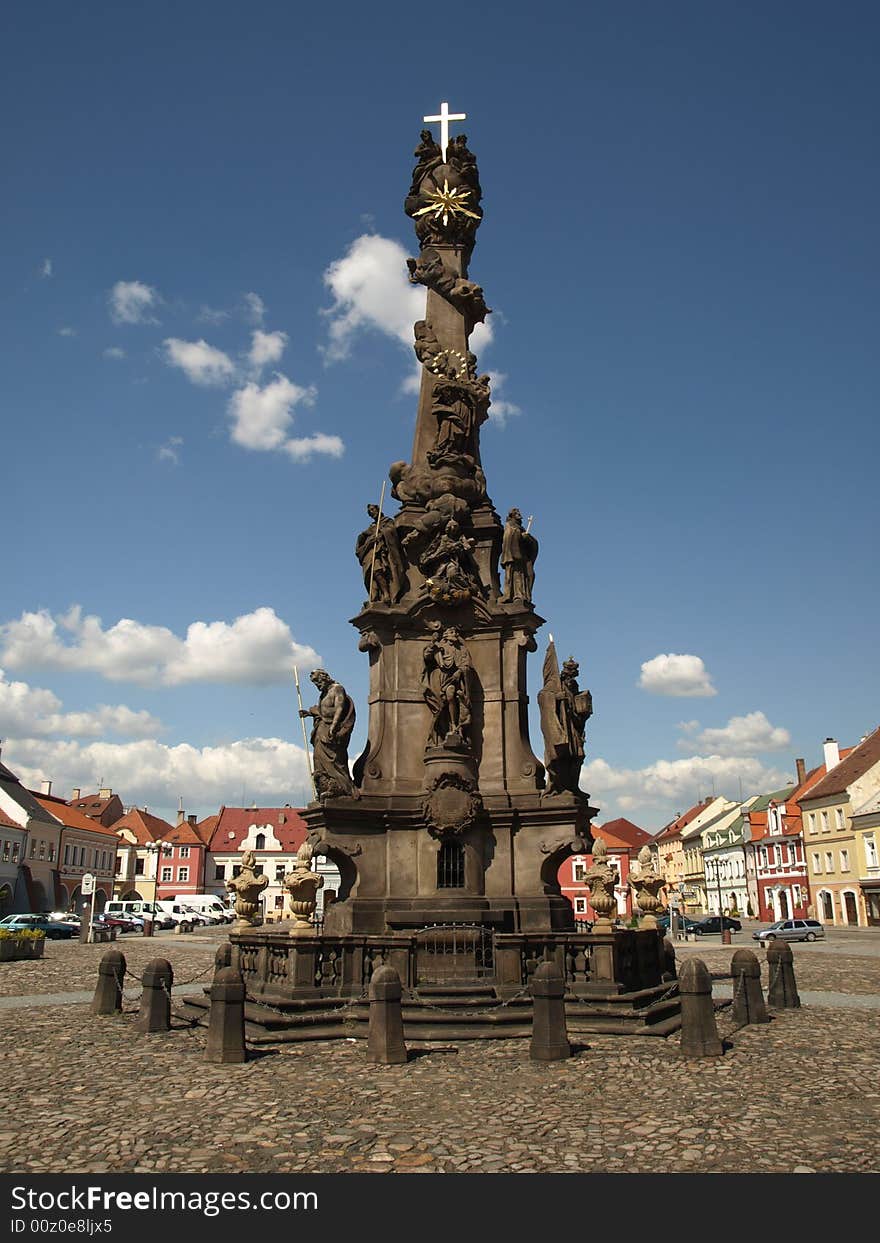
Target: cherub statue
303, 884
247, 887
645, 883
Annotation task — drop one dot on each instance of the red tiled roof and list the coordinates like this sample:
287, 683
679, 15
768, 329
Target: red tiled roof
623, 832
69, 816
183, 834
91, 804
682, 821
205, 828
233, 824
852, 766
6, 822
144, 827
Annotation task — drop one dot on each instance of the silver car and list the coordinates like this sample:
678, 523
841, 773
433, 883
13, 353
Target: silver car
791, 930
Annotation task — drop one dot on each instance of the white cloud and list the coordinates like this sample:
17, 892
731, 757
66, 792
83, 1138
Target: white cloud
677, 783
677, 675
32, 712
500, 410
170, 451
742, 735
46, 268
254, 308
371, 289
200, 362
114, 351
257, 649
271, 771
209, 315
266, 347
263, 416
67, 331
131, 302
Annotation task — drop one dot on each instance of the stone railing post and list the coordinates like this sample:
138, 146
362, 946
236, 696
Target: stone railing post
225, 1041
155, 1012
549, 1034
111, 977
223, 957
748, 998
699, 1035
782, 993
385, 1043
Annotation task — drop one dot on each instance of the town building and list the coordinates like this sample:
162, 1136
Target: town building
775, 854
866, 827
140, 837
274, 834
624, 841
36, 887
850, 782
85, 846
693, 881
183, 858
13, 891
724, 860
668, 849
104, 806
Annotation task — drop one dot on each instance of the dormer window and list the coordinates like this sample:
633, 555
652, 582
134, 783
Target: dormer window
260, 841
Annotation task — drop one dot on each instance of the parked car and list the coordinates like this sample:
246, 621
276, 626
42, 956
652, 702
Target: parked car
683, 923
791, 930
206, 904
713, 923
54, 929
121, 922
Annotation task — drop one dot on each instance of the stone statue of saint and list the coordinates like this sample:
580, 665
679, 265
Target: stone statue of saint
247, 887
303, 884
446, 685
645, 883
387, 567
601, 879
449, 567
333, 717
565, 710
518, 553
429, 154
454, 407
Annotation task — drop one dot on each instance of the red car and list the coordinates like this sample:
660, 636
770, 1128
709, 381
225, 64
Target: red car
119, 922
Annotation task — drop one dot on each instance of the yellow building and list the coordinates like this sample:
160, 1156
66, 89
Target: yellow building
831, 842
866, 826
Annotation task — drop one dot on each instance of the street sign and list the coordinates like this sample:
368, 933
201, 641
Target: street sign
87, 884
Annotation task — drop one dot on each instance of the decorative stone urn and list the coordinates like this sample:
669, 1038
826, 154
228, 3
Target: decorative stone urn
645, 883
247, 887
303, 884
601, 879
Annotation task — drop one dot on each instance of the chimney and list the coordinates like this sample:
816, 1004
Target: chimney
832, 754
181, 815
105, 793
801, 771
192, 819
46, 787
77, 793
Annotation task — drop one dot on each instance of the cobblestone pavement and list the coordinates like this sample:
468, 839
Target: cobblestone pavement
815, 971
620, 1104
69, 965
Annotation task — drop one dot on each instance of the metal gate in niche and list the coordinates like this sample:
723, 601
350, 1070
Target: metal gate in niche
454, 953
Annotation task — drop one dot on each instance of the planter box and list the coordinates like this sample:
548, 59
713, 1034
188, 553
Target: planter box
15, 948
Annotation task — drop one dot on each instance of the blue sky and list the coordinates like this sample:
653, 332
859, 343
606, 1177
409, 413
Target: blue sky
200, 236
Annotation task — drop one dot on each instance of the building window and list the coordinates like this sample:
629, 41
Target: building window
844, 860
118, 864
579, 871
580, 906
829, 861
840, 817
796, 895
183, 875
258, 870
825, 824
260, 841
450, 866
42, 850
762, 855
138, 866
184, 852
166, 875
279, 872
6, 852
811, 822
33, 848
236, 869
167, 851
15, 852
220, 871
870, 850
817, 863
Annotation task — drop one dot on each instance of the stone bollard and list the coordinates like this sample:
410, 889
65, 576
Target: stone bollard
155, 1012
111, 977
226, 1020
748, 999
699, 1035
223, 957
385, 1042
782, 993
549, 1034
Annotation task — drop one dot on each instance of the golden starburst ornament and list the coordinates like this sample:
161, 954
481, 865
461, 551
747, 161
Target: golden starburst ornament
445, 203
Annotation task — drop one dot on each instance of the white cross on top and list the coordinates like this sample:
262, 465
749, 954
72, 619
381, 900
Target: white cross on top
444, 118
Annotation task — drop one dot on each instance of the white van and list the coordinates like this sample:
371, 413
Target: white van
206, 904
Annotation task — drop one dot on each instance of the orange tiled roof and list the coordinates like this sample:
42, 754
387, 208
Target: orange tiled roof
852, 765
69, 816
143, 826
233, 824
623, 833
